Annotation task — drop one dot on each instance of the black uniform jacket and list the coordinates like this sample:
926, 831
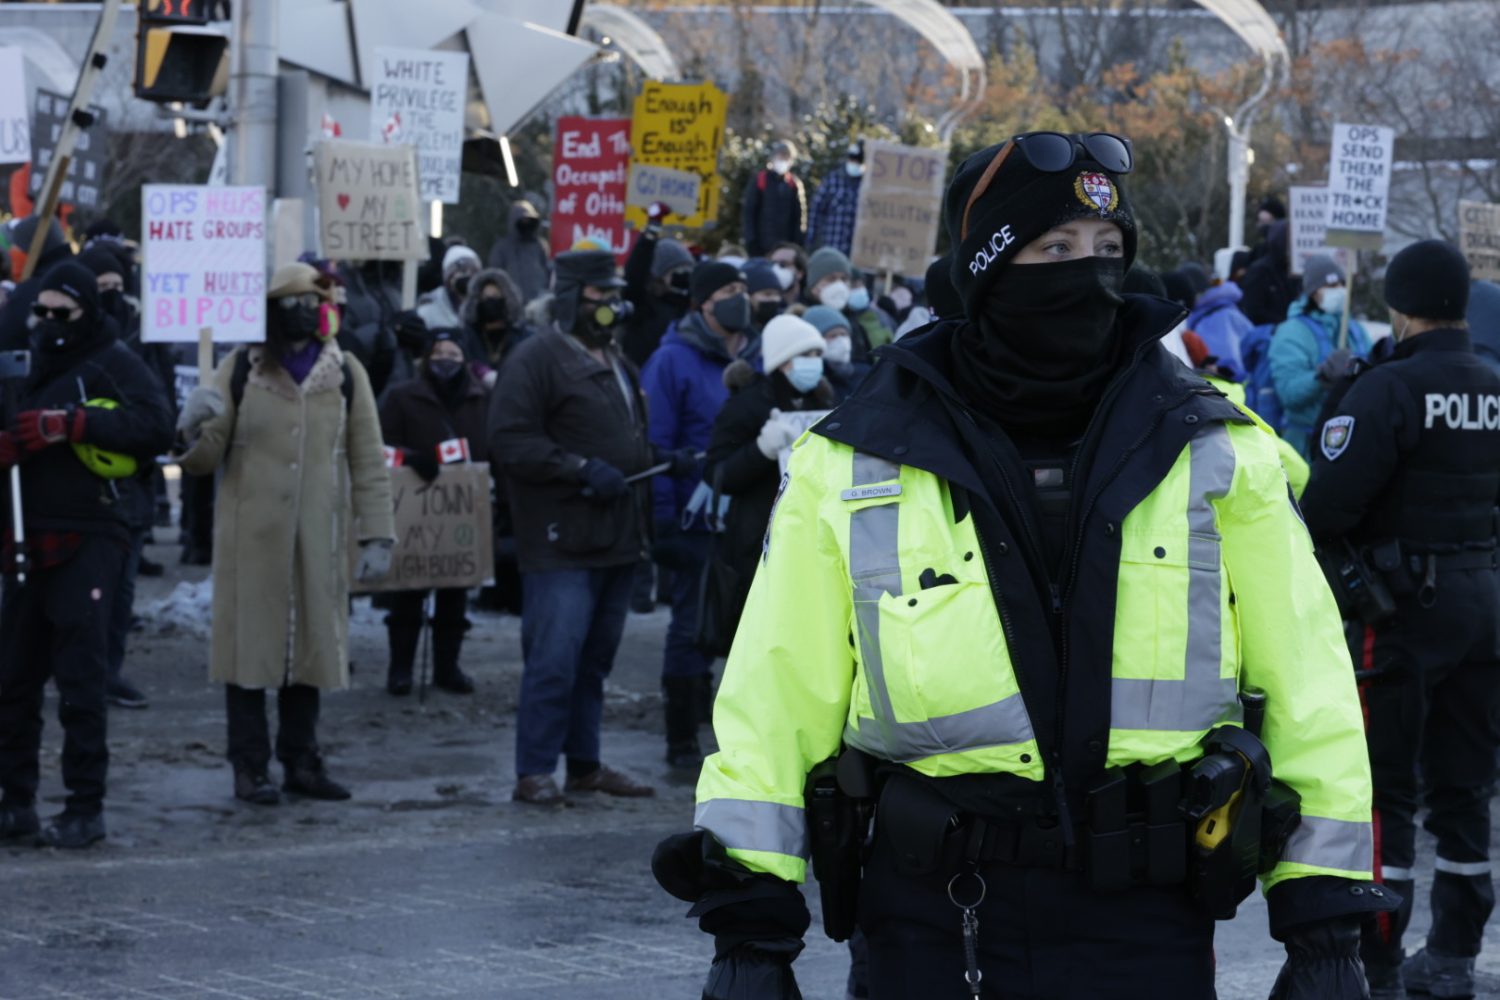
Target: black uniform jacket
1412, 451
1060, 632
58, 492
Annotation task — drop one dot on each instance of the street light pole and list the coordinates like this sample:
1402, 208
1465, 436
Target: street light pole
252, 158
1239, 178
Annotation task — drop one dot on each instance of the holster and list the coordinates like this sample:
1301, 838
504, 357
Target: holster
1227, 791
840, 800
1362, 593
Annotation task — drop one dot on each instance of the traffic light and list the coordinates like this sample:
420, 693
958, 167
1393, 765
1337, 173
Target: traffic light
177, 56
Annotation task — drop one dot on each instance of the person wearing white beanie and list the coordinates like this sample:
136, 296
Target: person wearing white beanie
439, 308
786, 338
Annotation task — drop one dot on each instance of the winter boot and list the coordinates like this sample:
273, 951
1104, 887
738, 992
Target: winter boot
254, 785
680, 708
404, 637
306, 776
1444, 976
447, 641
1385, 982
72, 831
18, 821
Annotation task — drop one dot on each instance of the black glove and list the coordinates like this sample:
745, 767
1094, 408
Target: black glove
411, 332
684, 461
603, 481
422, 461
1323, 962
754, 972
1334, 367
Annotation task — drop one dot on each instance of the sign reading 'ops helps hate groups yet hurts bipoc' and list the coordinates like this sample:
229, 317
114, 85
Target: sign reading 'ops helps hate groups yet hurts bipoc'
205, 263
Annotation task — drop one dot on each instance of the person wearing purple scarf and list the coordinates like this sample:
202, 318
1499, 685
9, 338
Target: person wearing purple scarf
293, 423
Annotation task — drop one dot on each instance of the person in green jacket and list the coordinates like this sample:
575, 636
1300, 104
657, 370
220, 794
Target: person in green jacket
1306, 356
1030, 571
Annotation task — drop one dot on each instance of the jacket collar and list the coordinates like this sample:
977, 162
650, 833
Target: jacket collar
904, 410
1445, 339
327, 373
693, 331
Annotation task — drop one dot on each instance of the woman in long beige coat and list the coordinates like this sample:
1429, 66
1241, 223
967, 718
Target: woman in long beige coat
294, 425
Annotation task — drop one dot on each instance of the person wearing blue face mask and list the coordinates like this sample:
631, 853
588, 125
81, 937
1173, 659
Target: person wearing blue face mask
1306, 356
751, 434
835, 206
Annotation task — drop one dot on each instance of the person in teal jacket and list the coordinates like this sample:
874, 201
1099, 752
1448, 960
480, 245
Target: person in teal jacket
1305, 354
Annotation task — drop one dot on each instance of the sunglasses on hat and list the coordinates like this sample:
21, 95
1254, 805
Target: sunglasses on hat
1052, 153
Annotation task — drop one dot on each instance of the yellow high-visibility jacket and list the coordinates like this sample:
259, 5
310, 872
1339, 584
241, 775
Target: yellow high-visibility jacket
1215, 589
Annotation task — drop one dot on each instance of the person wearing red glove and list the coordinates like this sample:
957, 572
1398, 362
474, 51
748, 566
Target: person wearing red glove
78, 533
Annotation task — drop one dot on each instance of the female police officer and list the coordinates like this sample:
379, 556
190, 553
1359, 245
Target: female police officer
1031, 557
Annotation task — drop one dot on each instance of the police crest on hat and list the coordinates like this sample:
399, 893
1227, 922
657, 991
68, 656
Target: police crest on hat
1097, 191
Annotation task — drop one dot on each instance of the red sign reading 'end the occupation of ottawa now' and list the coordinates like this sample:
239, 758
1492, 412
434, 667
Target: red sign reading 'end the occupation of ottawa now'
205, 262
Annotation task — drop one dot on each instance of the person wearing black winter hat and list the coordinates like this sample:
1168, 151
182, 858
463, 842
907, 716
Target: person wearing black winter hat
1001, 574
1408, 462
685, 387
78, 533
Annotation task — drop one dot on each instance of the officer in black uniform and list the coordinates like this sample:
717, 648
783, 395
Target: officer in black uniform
1407, 472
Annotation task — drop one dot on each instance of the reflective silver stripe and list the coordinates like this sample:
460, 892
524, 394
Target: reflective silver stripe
1470, 869
1332, 843
875, 569
1390, 873
1202, 698
746, 825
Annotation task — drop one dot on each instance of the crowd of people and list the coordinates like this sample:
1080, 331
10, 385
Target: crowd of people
631, 417
639, 418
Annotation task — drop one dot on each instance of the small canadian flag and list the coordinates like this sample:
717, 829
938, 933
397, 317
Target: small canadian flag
393, 457
331, 127
453, 450
392, 130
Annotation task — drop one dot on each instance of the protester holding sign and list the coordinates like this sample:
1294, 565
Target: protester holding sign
431, 420
658, 279
743, 463
87, 392
304, 474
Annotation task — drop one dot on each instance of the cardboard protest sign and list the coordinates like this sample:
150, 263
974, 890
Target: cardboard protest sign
444, 536
900, 203
1479, 238
368, 201
802, 420
679, 190
15, 117
589, 164
1307, 227
204, 251
1359, 183
417, 99
680, 126
85, 174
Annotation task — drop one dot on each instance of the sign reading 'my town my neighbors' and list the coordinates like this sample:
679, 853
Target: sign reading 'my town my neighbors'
368, 201
443, 530
205, 263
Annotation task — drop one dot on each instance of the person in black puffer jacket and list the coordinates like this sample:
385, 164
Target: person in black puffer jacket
445, 401
78, 534
750, 435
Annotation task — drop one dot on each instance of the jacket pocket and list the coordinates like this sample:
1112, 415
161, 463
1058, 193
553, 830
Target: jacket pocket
943, 655
580, 526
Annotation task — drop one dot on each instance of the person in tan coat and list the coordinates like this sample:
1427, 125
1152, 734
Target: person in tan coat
293, 423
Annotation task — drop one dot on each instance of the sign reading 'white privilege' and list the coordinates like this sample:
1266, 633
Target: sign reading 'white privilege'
417, 99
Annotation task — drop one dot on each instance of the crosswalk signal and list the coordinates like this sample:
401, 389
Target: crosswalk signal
177, 56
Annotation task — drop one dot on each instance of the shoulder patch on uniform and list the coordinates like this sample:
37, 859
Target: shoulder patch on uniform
765, 545
1337, 434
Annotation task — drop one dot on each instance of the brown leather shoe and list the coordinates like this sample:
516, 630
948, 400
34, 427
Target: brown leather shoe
537, 790
610, 782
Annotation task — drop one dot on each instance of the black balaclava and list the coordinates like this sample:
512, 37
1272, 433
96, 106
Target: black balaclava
61, 337
1041, 340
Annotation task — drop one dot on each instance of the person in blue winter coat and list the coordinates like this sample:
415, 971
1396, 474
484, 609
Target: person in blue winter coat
1305, 355
1483, 317
684, 386
1218, 322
